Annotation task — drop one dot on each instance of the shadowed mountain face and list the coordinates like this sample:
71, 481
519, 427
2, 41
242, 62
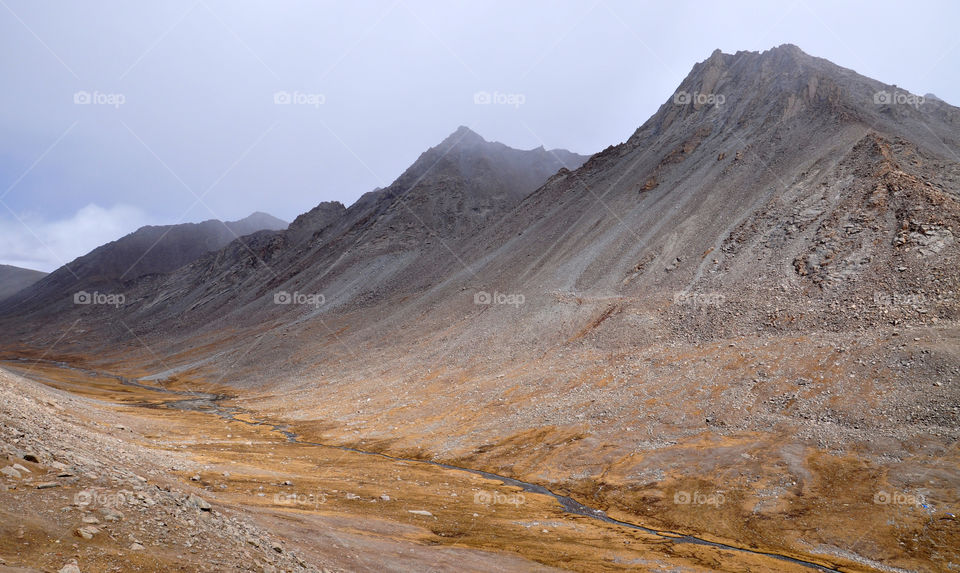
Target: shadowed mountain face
461, 185
452, 191
14, 279
147, 251
380, 243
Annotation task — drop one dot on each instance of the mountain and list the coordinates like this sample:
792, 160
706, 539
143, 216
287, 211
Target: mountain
385, 242
385, 238
764, 175
452, 189
794, 180
13, 279
463, 184
147, 251
320, 217
754, 296
256, 221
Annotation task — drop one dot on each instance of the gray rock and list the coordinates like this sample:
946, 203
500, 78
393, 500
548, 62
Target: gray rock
10, 472
198, 502
70, 567
87, 531
111, 514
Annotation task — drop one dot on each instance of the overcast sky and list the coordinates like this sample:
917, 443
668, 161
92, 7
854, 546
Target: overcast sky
118, 114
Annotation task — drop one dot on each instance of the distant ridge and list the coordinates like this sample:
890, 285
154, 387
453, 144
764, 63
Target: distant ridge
148, 250
14, 279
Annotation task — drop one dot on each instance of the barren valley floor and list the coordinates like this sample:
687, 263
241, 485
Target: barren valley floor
152, 476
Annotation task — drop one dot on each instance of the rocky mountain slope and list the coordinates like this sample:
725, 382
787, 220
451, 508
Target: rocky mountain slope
783, 185
14, 279
763, 176
381, 242
147, 251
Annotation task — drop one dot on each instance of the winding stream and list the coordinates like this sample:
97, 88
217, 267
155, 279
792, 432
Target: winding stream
207, 402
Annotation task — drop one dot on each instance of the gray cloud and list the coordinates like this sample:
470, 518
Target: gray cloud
32, 241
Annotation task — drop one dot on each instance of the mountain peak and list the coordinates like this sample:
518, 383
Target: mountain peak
259, 220
790, 49
778, 61
14, 279
763, 89
149, 250
463, 136
316, 219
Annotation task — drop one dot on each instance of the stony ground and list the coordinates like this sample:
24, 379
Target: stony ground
823, 447
73, 493
115, 483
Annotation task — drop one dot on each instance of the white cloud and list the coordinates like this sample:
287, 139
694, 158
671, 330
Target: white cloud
30, 241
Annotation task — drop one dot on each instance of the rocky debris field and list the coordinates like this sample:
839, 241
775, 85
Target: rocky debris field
76, 499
